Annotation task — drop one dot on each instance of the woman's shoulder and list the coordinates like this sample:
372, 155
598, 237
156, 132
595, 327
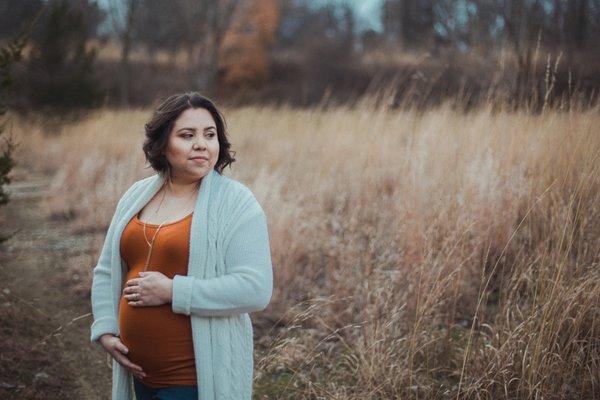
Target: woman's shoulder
140, 183
236, 193
130, 192
143, 181
235, 204
232, 186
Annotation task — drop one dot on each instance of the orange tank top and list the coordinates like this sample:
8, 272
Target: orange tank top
159, 340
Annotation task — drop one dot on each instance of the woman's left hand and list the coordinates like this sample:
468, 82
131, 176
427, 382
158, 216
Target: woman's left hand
152, 289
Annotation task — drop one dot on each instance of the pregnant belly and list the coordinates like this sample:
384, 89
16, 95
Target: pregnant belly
160, 341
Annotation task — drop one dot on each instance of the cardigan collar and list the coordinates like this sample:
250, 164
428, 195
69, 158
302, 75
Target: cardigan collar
199, 218
155, 183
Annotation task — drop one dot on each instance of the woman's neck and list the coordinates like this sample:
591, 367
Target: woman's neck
181, 188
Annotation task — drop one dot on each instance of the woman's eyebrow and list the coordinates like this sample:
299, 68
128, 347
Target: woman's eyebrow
194, 129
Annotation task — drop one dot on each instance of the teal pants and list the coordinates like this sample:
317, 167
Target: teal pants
143, 392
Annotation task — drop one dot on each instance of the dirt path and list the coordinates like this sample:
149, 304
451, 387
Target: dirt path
45, 351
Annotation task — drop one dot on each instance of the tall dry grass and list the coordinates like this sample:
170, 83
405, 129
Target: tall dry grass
416, 255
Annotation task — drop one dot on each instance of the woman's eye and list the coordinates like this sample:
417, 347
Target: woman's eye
187, 135
211, 134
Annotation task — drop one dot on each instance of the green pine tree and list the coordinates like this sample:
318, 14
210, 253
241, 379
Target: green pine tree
61, 69
10, 53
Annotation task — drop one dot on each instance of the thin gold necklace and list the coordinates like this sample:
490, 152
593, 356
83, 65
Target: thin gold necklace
151, 244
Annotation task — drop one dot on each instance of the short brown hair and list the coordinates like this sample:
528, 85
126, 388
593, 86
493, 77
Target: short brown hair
160, 125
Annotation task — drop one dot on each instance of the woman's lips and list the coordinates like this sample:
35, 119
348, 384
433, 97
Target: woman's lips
198, 160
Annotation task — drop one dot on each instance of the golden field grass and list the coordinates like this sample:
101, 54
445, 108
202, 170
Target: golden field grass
416, 254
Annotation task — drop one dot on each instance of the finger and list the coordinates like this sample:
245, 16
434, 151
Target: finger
131, 290
133, 282
136, 303
122, 348
127, 363
138, 369
139, 376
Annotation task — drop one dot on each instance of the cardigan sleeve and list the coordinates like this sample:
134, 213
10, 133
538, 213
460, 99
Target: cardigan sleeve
105, 320
247, 285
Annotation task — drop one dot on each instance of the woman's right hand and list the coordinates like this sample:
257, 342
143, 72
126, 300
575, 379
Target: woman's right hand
113, 345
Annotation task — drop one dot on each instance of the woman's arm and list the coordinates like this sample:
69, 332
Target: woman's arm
246, 287
105, 320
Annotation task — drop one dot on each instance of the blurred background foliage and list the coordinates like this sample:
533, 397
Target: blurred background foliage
125, 53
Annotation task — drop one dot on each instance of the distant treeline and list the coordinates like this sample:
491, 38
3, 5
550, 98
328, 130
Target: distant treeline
528, 53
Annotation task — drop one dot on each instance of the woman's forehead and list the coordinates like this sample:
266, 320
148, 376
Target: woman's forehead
195, 117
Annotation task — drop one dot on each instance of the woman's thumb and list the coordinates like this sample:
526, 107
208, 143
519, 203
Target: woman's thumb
124, 348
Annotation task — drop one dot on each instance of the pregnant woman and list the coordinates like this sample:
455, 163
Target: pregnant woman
185, 259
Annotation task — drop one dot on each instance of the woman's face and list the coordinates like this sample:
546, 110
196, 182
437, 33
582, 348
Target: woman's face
194, 134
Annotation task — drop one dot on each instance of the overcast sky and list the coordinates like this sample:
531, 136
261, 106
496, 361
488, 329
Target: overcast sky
367, 11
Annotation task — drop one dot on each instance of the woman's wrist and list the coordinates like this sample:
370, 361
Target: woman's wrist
170, 291
104, 336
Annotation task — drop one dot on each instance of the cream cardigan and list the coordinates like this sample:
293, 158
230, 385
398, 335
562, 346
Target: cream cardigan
229, 275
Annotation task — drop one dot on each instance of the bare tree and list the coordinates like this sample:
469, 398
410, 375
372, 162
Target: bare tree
523, 22
200, 25
220, 19
192, 26
122, 15
409, 22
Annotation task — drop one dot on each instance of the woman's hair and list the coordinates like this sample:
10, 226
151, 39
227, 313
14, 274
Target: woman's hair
160, 125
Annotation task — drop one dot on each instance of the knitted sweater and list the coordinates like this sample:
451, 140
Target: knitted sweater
229, 275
